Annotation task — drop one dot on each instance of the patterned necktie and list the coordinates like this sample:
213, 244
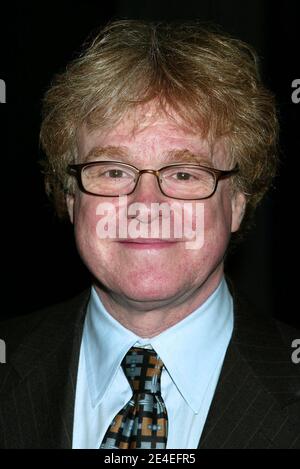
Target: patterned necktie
143, 422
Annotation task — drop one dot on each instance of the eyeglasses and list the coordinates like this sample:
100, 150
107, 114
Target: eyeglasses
178, 181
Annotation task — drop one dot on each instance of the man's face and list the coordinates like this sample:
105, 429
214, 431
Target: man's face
161, 272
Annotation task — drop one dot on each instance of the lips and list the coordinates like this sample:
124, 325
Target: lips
147, 243
148, 240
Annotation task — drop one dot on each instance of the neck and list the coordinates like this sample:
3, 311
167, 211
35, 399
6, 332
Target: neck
148, 319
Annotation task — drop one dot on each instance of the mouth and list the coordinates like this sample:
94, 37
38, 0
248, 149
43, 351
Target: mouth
145, 243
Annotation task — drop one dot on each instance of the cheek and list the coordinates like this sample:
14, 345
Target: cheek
85, 217
202, 219
216, 226
211, 222
85, 226
213, 215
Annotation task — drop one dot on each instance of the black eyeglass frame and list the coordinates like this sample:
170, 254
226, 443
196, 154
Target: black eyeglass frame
218, 174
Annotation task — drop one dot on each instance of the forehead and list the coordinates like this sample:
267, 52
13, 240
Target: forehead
147, 134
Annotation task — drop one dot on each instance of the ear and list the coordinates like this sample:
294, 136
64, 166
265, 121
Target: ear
70, 206
238, 207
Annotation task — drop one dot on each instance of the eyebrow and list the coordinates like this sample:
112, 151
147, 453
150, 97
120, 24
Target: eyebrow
172, 156
106, 153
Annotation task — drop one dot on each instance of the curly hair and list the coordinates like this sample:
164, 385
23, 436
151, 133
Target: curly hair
209, 79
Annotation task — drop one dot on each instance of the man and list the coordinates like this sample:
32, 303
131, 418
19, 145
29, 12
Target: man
160, 142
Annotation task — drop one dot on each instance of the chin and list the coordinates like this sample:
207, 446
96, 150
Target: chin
154, 292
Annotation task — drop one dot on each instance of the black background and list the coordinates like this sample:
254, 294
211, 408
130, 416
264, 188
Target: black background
39, 263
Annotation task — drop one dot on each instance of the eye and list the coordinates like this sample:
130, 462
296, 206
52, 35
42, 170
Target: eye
107, 172
183, 176
115, 173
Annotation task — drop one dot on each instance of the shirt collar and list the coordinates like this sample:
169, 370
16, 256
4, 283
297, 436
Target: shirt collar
191, 349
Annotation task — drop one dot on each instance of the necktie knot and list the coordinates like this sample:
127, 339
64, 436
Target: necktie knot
142, 368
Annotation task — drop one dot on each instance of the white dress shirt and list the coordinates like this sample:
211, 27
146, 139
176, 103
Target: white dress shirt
192, 351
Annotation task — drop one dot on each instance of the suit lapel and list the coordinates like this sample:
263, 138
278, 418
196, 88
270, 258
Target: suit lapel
39, 387
66, 365
257, 377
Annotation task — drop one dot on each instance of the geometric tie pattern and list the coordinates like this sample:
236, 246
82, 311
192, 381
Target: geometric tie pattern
143, 421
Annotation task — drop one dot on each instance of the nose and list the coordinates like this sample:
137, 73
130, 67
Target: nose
147, 190
148, 205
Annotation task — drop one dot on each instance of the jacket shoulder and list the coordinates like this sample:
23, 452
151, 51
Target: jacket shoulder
13, 331
288, 333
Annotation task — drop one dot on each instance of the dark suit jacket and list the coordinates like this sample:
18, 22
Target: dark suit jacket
256, 403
